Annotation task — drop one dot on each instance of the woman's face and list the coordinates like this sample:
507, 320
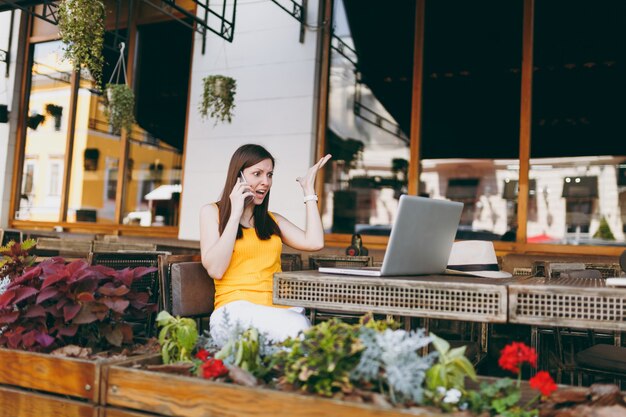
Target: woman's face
259, 178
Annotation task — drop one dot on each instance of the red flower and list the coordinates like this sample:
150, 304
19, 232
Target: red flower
203, 355
515, 354
213, 368
543, 382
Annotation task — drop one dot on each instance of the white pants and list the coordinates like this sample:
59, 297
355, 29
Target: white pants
277, 323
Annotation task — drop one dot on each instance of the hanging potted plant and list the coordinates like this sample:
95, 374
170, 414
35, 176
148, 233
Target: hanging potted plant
120, 107
218, 98
120, 99
56, 112
81, 28
34, 120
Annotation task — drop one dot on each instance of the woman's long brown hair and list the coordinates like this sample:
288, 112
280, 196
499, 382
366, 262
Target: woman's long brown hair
244, 157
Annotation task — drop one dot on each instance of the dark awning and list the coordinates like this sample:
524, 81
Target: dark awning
580, 187
383, 39
511, 189
6, 5
462, 188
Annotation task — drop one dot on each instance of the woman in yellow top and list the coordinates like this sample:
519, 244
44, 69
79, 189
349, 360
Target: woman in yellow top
241, 242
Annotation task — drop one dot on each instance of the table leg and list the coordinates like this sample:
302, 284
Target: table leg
534, 339
407, 323
484, 337
425, 326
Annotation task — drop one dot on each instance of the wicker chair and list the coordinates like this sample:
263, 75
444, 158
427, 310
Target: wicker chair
578, 353
67, 248
8, 235
603, 360
115, 246
186, 288
315, 261
149, 282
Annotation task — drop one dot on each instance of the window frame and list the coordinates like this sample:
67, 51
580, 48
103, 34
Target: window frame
380, 242
41, 32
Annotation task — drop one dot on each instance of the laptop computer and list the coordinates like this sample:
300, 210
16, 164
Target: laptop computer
420, 242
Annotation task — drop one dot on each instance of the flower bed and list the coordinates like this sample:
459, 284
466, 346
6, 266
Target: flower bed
180, 396
61, 325
334, 368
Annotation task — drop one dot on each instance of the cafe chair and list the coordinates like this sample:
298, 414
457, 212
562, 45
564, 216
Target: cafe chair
7, 235
148, 283
603, 361
187, 290
291, 262
577, 352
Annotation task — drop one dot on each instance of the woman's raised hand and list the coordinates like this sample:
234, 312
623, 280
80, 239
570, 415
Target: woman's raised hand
308, 180
238, 196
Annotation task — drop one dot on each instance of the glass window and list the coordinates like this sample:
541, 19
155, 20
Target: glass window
578, 158
46, 133
29, 178
96, 150
369, 116
56, 181
471, 106
152, 186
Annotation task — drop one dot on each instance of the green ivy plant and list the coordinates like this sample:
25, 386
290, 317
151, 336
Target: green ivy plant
120, 107
320, 359
81, 28
177, 337
218, 98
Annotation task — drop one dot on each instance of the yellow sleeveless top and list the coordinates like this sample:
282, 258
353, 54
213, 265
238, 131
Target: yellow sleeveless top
249, 276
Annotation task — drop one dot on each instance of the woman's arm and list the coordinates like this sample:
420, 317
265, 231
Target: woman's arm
312, 237
216, 250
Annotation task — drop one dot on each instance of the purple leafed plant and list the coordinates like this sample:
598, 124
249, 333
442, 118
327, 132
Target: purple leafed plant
55, 304
14, 258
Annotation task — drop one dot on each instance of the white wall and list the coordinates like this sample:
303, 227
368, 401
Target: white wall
275, 107
7, 130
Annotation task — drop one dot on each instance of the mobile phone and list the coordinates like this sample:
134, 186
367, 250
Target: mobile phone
243, 181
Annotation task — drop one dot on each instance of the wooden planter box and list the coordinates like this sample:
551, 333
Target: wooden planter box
78, 378
180, 396
118, 412
20, 403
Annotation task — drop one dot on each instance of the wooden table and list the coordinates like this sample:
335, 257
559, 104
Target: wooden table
433, 296
428, 296
582, 303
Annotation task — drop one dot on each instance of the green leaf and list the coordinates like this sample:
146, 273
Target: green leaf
467, 367
440, 344
187, 337
163, 318
163, 334
457, 352
165, 355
